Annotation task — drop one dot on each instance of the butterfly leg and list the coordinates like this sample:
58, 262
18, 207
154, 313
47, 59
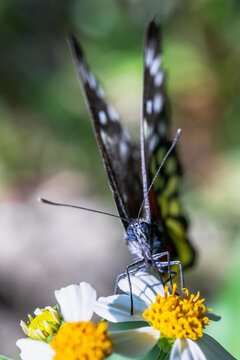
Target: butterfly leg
156, 269
158, 257
173, 273
177, 262
138, 265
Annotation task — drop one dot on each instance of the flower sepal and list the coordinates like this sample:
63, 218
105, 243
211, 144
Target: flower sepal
165, 343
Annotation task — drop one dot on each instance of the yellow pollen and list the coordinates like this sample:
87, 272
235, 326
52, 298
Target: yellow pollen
177, 317
82, 341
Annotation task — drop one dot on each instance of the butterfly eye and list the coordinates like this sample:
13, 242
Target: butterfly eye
145, 228
131, 234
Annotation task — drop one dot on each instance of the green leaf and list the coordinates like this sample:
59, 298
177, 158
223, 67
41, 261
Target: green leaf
4, 358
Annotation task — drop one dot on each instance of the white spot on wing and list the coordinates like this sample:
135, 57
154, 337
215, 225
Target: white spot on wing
84, 73
145, 127
100, 92
158, 80
102, 117
112, 113
157, 103
155, 66
124, 150
153, 142
108, 140
103, 136
149, 56
92, 81
125, 136
149, 105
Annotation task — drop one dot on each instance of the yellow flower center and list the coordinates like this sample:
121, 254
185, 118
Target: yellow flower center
177, 317
45, 324
82, 341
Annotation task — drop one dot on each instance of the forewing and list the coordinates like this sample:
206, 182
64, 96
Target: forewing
119, 155
164, 196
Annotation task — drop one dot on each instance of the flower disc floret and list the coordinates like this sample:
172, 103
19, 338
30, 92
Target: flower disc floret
177, 317
82, 340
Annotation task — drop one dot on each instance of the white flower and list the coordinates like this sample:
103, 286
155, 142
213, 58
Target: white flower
137, 342
77, 307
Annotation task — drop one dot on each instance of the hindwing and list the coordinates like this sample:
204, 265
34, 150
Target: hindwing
164, 195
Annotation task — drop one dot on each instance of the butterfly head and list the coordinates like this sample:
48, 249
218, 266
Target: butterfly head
138, 229
138, 233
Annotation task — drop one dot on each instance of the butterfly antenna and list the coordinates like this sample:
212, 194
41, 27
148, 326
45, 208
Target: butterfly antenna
175, 140
144, 174
48, 202
152, 31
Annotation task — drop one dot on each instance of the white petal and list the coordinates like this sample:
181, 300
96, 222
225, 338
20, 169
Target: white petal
212, 349
38, 311
186, 349
116, 308
76, 302
144, 285
35, 349
135, 343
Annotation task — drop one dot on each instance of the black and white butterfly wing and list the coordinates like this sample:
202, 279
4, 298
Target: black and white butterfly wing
118, 152
164, 195
155, 116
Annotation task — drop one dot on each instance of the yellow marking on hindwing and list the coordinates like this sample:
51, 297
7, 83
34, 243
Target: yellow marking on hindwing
176, 227
178, 234
164, 206
153, 167
160, 154
174, 207
159, 183
170, 166
172, 186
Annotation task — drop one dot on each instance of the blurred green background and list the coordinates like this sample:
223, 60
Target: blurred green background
47, 146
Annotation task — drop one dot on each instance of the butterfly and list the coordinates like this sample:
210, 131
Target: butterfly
155, 228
